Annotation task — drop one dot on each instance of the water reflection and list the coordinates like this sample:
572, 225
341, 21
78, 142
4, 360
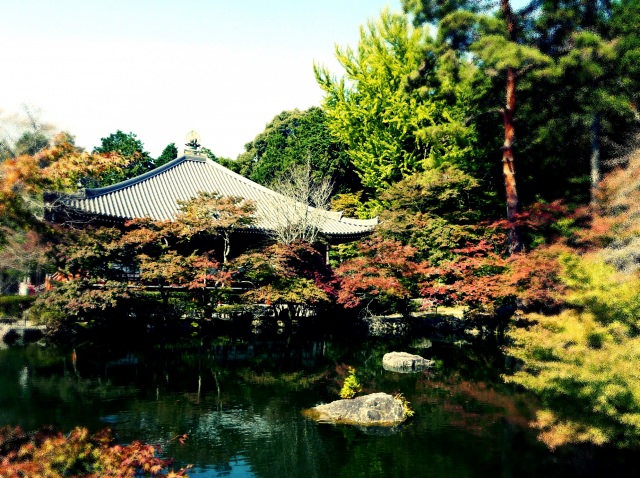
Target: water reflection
240, 402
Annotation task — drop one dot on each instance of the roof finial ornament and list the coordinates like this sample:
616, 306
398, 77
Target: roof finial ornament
193, 142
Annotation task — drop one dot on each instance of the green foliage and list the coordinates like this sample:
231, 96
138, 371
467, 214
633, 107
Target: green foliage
597, 287
169, 153
77, 303
294, 292
294, 275
434, 211
581, 361
94, 251
393, 125
129, 147
351, 386
126, 144
575, 58
350, 204
291, 138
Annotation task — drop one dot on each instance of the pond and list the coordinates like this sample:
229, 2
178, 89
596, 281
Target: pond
240, 401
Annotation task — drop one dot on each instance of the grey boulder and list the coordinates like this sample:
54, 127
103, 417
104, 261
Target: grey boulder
375, 409
404, 362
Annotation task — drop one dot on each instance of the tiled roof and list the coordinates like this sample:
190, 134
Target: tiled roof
156, 193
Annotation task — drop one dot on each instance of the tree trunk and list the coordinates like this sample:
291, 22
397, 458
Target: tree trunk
227, 246
595, 156
508, 169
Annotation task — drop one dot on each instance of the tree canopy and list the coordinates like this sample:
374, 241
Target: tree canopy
396, 109
131, 149
292, 138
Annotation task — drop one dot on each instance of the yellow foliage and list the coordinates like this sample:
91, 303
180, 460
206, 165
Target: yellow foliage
583, 361
351, 385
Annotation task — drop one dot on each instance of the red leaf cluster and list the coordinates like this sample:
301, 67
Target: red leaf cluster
78, 454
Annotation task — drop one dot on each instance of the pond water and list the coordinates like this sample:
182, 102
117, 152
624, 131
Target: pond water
240, 400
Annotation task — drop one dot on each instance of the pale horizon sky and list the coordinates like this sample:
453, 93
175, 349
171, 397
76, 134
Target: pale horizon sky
162, 68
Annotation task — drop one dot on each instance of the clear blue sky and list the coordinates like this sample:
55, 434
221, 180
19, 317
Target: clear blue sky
162, 68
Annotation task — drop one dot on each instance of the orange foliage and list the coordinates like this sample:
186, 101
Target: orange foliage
59, 167
78, 454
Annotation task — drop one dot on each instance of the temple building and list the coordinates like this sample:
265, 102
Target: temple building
156, 193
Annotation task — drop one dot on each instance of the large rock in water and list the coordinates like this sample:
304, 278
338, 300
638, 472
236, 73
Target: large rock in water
375, 409
404, 362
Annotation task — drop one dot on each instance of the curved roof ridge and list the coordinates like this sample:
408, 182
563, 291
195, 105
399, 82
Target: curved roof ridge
93, 192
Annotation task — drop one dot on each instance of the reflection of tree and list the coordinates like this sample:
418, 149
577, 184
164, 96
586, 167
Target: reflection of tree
256, 420
51, 379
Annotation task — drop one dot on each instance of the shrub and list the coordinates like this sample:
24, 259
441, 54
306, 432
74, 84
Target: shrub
407, 411
351, 385
583, 358
78, 454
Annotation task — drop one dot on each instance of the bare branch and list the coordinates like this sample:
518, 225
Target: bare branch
301, 208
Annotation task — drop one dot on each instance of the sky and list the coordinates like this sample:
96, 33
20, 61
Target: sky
161, 68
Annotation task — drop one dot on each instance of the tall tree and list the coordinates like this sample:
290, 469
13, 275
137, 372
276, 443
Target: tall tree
593, 89
582, 74
393, 120
498, 43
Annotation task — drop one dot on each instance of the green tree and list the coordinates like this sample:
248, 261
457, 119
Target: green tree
500, 47
393, 120
435, 211
169, 153
574, 57
293, 277
129, 147
288, 140
590, 93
